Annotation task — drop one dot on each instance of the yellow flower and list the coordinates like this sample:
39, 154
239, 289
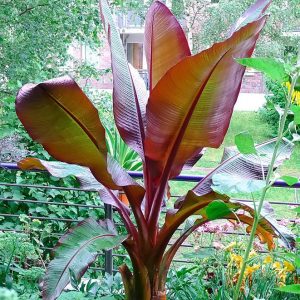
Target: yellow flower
237, 259
249, 270
268, 260
277, 265
288, 266
295, 94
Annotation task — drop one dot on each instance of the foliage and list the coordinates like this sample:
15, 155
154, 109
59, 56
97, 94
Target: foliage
109, 286
166, 134
125, 156
53, 26
275, 103
214, 275
6, 294
90, 237
22, 265
275, 40
290, 77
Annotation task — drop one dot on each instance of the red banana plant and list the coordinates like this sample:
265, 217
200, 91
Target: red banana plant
189, 108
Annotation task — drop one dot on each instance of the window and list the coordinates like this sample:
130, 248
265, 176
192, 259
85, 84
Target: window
135, 54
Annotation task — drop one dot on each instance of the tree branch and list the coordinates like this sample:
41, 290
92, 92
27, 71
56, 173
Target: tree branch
28, 9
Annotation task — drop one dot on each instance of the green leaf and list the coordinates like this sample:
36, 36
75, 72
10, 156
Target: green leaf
77, 250
290, 180
292, 288
270, 67
297, 261
231, 184
217, 209
297, 210
296, 110
245, 143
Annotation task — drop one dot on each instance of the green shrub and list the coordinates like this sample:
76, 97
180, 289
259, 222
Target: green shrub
275, 101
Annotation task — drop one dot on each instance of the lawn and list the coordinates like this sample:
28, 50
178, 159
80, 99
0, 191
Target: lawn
251, 122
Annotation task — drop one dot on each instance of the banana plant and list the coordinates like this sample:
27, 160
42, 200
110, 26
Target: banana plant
189, 107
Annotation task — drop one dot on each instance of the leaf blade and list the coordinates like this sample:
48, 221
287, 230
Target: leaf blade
253, 12
128, 103
245, 143
165, 42
291, 288
270, 67
76, 250
57, 114
176, 114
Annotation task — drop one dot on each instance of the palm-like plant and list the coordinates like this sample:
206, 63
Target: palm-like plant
189, 107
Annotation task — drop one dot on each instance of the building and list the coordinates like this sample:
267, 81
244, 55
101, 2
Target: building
131, 28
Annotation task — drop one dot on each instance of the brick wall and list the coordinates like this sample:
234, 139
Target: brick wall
253, 82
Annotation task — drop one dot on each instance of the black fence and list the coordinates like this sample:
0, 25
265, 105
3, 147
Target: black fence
108, 258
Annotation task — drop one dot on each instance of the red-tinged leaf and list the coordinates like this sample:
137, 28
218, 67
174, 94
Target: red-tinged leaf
254, 12
268, 222
175, 217
264, 235
191, 106
76, 251
128, 105
165, 42
88, 181
133, 190
141, 90
192, 161
246, 166
57, 114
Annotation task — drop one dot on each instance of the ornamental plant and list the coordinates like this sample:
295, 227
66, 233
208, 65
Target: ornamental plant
188, 108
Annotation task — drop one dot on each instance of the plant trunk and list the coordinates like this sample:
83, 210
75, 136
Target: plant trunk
139, 285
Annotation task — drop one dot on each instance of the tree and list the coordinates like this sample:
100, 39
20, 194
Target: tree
215, 18
35, 36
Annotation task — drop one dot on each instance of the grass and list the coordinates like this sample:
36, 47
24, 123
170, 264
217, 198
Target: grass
251, 122
241, 121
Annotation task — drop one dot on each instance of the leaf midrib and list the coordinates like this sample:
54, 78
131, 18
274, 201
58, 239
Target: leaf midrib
72, 116
77, 251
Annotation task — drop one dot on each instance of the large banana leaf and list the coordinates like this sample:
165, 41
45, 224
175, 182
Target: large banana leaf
57, 114
129, 101
236, 211
76, 251
268, 222
247, 166
192, 161
191, 106
165, 42
88, 181
251, 14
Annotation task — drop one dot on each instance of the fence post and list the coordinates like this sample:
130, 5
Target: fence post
108, 268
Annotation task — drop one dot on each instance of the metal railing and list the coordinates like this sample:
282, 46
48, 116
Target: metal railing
107, 210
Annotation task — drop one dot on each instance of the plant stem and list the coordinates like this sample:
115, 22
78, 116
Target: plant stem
263, 195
